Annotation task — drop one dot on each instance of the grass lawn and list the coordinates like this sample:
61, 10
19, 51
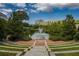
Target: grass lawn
67, 54
7, 54
64, 49
59, 46
58, 49
14, 46
12, 49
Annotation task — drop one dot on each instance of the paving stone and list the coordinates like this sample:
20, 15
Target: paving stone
37, 51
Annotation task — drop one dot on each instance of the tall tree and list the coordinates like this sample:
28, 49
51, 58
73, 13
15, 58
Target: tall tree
16, 23
69, 26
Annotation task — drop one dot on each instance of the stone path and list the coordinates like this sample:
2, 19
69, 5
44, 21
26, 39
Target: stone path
37, 51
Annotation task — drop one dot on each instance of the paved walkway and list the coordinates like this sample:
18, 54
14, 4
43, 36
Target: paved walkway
37, 51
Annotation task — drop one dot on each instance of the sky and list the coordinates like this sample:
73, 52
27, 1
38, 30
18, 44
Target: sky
44, 11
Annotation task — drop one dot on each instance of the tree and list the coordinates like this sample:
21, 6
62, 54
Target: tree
76, 36
3, 26
69, 28
16, 24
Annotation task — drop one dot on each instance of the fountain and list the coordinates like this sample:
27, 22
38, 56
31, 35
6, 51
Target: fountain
40, 35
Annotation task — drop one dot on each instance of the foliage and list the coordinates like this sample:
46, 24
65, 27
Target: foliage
14, 27
56, 37
3, 29
69, 28
62, 30
76, 36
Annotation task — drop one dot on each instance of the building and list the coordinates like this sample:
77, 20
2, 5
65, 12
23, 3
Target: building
44, 23
41, 22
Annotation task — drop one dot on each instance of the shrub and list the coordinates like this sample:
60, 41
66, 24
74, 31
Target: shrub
61, 37
19, 37
55, 38
76, 36
67, 38
26, 38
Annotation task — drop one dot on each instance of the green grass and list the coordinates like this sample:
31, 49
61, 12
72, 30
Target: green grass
7, 54
59, 46
14, 46
11, 49
65, 49
67, 54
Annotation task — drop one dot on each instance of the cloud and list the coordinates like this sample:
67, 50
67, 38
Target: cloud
33, 11
48, 7
42, 7
6, 11
22, 5
68, 5
2, 5
73, 6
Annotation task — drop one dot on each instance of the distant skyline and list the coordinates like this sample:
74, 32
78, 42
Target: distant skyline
45, 11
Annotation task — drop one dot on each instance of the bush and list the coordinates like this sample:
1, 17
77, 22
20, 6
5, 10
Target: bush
55, 38
76, 36
26, 38
67, 38
60, 37
19, 37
